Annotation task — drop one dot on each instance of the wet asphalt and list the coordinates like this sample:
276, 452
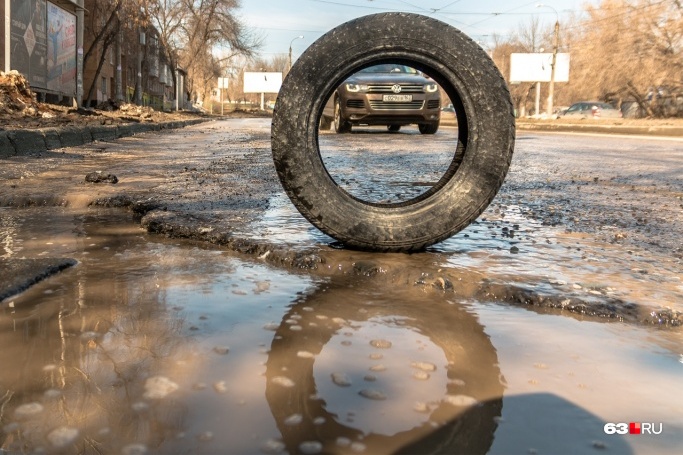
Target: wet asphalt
579, 219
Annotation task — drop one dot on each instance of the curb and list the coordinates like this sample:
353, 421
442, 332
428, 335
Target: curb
593, 128
665, 131
27, 142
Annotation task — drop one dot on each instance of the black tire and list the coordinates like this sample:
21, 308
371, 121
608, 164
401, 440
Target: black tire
341, 126
486, 132
325, 123
393, 128
428, 128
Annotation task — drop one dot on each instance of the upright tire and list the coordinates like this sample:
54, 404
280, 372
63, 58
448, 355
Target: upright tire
481, 158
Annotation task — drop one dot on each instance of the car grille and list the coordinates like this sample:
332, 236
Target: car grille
386, 88
380, 105
355, 104
433, 104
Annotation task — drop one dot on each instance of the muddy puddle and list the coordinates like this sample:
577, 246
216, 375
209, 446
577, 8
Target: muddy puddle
154, 345
512, 255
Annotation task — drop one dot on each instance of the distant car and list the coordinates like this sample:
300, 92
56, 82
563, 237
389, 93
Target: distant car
448, 108
386, 94
560, 111
592, 109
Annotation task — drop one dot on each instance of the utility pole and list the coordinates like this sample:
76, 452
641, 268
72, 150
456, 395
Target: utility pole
290, 49
138, 82
118, 75
556, 45
80, 20
551, 87
8, 37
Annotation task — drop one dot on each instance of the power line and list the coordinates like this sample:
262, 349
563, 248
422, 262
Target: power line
289, 29
503, 13
629, 11
329, 2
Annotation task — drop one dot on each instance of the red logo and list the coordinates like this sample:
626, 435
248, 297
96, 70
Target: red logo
634, 428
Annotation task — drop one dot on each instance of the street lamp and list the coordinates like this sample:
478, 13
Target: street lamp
290, 49
556, 44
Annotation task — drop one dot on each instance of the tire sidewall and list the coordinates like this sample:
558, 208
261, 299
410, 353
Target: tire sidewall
360, 43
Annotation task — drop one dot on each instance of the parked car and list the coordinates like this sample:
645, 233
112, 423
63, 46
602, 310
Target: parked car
592, 109
386, 94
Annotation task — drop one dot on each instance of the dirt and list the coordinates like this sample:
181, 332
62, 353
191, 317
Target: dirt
20, 109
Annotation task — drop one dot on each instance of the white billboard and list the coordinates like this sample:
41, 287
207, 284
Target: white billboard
537, 67
262, 82
223, 82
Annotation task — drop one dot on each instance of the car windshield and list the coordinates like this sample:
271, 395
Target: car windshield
389, 68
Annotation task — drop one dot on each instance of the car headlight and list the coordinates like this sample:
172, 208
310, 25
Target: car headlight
356, 87
431, 88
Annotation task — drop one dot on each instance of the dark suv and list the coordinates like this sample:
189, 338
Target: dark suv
387, 94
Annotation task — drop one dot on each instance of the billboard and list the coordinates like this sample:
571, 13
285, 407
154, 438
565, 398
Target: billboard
28, 40
262, 82
61, 50
537, 67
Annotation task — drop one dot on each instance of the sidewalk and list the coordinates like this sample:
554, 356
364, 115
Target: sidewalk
24, 141
673, 128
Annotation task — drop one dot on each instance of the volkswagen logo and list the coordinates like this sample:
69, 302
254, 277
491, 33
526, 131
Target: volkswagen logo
396, 88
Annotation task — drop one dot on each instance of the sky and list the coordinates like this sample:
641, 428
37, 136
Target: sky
281, 22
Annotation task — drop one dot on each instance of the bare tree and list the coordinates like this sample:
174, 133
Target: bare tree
191, 30
631, 50
104, 24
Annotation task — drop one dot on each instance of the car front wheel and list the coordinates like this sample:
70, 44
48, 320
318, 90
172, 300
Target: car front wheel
325, 123
428, 128
340, 125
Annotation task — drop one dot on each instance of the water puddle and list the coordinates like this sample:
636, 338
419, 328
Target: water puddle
513, 248
507, 246
281, 224
151, 345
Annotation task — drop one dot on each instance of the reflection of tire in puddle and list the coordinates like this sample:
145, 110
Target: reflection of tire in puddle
462, 421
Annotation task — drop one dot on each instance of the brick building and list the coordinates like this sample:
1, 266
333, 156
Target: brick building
136, 52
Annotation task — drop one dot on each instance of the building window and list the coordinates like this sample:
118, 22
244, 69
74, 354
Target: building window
104, 86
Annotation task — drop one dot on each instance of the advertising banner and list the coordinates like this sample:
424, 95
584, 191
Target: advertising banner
61, 50
262, 82
537, 67
28, 35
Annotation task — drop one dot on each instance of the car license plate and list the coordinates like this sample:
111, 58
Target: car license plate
397, 98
